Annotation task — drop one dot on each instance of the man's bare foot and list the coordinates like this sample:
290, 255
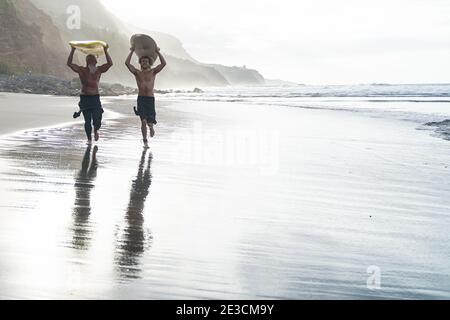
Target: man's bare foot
96, 135
89, 142
146, 144
152, 131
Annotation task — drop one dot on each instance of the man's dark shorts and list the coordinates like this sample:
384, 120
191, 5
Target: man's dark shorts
92, 110
146, 109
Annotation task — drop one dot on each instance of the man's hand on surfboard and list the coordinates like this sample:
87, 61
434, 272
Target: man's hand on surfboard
109, 63
75, 68
163, 64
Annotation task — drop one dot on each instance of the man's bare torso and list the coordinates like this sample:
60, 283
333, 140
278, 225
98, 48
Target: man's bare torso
146, 82
89, 81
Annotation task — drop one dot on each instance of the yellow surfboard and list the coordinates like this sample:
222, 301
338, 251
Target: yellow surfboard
93, 47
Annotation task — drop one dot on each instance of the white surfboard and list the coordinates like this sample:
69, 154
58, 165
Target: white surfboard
144, 45
93, 47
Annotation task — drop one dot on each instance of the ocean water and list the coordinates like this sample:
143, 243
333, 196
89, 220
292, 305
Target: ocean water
346, 91
426, 104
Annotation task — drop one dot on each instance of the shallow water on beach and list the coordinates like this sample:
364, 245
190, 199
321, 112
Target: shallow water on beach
230, 202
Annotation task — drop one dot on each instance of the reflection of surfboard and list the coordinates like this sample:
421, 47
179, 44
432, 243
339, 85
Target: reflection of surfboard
89, 47
144, 46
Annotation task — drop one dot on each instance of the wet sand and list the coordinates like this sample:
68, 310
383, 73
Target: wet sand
26, 111
230, 202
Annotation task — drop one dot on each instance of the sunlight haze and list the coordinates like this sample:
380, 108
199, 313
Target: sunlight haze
308, 41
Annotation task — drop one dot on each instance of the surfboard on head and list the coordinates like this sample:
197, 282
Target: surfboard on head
144, 46
93, 47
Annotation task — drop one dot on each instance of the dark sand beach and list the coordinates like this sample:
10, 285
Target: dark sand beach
231, 201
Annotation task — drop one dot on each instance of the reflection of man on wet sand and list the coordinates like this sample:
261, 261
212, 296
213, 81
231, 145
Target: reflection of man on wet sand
133, 238
84, 183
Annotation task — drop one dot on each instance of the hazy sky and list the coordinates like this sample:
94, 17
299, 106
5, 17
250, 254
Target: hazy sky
308, 41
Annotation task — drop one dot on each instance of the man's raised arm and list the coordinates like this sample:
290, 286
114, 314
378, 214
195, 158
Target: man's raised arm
130, 67
163, 64
70, 64
109, 63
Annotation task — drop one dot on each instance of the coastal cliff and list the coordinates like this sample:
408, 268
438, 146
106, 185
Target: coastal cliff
35, 39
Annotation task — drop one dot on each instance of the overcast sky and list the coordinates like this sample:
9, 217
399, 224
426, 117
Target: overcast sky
308, 41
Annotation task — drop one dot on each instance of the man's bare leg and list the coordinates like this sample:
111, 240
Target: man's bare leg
144, 129
144, 132
152, 129
88, 127
89, 139
96, 135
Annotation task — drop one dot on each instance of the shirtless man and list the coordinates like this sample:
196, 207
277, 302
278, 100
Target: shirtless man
145, 79
90, 104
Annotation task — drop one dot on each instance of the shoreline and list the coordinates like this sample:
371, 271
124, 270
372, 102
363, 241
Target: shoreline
25, 112
438, 125
29, 112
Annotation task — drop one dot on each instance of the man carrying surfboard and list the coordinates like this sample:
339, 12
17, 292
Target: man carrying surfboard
145, 79
90, 103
